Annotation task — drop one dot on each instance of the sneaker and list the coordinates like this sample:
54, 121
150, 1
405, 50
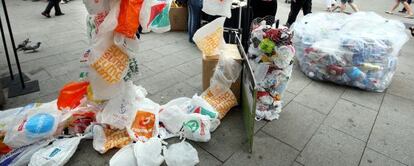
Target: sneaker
59, 14
46, 14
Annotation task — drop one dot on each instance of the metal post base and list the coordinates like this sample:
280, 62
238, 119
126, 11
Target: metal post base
17, 90
7, 81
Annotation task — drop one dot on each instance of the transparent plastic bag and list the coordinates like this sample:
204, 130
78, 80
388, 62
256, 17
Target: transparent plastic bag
359, 50
217, 7
271, 57
219, 94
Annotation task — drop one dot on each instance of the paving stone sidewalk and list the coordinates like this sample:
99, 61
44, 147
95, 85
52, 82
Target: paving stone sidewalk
322, 123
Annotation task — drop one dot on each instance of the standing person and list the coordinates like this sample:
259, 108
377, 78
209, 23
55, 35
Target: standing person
403, 10
263, 8
295, 6
50, 5
406, 6
351, 3
194, 17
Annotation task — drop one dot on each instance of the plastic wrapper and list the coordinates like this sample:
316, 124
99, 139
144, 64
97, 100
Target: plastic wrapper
359, 50
271, 57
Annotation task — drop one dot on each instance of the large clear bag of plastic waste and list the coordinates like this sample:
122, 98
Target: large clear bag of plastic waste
359, 50
271, 57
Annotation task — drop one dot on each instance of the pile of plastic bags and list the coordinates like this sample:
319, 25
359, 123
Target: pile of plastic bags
271, 57
358, 50
105, 105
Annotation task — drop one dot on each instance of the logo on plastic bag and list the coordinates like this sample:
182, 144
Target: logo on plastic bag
112, 64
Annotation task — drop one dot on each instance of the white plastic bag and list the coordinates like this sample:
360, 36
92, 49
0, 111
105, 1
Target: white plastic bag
149, 153
105, 138
197, 127
124, 157
146, 120
172, 118
181, 154
202, 107
31, 125
154, 16
56, 154
209, 38
217, 7
120, 110
96, 6
24, 157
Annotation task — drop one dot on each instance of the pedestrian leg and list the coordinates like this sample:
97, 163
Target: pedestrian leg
409, 10
354, 7
307, 7
295, 7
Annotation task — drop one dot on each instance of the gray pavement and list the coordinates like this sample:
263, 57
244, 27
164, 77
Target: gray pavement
322, 123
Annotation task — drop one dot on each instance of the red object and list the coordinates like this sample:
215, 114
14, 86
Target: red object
273, 34
71, 94
336, 70
128, 19
262, 93
4, 149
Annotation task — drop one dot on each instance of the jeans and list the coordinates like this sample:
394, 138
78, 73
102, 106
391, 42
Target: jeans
295, 6
51, 4
194, 17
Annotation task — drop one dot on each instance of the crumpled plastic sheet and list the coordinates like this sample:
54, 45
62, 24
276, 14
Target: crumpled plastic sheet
359, 50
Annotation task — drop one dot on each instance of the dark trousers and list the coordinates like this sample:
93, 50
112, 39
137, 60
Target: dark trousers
295, 6
194, 17
53, 3
263, 8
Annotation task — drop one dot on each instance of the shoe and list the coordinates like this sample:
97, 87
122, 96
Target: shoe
402, 11
46, 14
59, 14
412, 30
389, 12
409, 16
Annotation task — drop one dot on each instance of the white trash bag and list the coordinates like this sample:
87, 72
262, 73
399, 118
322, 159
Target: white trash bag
181, 154
125, 156
217, 7
56, 154
149, 153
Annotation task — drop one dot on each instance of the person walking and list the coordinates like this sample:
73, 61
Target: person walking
295, 6
351, 3
263, 8
403, 10
194, 17
50, 5
410, 13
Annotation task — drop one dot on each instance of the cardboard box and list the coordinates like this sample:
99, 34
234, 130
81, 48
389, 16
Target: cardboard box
178, 17
209, 63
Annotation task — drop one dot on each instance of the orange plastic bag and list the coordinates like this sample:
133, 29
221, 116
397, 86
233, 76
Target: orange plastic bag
128, 19
71, 94
4, 149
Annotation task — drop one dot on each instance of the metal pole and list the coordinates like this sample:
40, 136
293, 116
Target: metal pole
6, 51
14, 46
